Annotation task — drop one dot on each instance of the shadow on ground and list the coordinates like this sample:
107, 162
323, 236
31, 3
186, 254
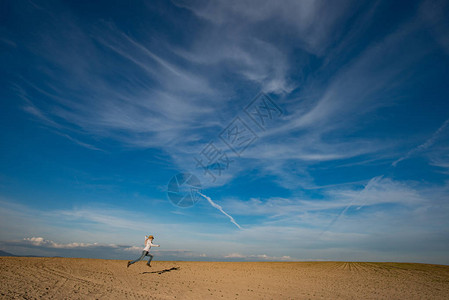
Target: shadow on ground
163, 271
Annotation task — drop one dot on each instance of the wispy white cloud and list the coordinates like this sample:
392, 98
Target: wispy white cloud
132, 249
40, 241
433, 14
154, 104
169, 96
313, 23
258, 257
318, 130
377, 191
326, 128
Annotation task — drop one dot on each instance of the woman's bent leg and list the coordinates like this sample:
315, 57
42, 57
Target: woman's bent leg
151, 258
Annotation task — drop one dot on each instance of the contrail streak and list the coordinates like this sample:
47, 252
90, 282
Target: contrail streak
425, 145
372, 181
220, 209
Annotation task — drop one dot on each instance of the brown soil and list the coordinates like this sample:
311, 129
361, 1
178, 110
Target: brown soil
77, 278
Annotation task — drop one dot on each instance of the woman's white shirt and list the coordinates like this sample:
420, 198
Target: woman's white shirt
148, 245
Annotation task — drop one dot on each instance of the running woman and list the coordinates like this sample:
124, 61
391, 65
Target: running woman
146, 251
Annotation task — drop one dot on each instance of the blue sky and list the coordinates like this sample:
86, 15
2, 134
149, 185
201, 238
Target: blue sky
103, 102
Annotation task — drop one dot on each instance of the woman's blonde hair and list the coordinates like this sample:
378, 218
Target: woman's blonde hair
151, 237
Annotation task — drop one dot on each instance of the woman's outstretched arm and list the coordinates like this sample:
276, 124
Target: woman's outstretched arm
153, 245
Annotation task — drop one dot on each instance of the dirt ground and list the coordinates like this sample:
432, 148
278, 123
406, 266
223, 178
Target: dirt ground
77, 278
